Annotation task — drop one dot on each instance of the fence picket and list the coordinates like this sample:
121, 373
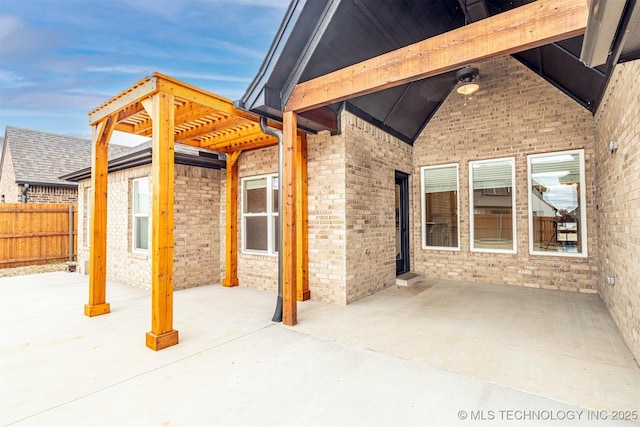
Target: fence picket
36, 233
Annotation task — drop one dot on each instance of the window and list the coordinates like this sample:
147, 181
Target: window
492, 200
88, 204
260, 222
440, 206
557, 211
140, 220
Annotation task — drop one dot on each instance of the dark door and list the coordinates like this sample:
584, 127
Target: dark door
402, 223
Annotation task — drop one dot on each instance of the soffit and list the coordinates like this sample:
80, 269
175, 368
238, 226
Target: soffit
326, 35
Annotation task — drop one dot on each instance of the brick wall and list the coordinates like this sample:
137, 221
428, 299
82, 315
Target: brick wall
618, 198
515, 113
196, 232
326, 170
42, 194
351, 180
372, 157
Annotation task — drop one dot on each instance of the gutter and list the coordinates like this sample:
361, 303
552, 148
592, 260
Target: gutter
277, 315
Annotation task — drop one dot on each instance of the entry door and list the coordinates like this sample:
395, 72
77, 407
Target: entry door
402, 223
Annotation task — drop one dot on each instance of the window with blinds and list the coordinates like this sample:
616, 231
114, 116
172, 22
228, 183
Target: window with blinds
557, 210
492, 205
260, 225
440, 207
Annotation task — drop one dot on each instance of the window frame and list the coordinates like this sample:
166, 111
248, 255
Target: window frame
583, 205
269, 214
472, 248
134, 215
423, 209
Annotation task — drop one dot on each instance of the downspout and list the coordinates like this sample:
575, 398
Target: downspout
25, 188
277, 316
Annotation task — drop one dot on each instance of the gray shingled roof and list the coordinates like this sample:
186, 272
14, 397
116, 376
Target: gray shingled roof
42, 157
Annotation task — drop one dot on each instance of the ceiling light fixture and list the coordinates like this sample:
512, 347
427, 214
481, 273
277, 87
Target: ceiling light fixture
466, 76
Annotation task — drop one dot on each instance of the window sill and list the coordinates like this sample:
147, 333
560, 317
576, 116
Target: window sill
139, 255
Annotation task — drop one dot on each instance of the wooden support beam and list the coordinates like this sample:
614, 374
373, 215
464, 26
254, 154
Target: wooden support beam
228, 121
190, 93
243, 132
253, 142
139, 91
231, 242
289, 255
162, 334
102, 132
188, 112
130, 111
525, 27
302, 231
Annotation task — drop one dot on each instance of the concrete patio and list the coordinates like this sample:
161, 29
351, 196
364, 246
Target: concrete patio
438, 353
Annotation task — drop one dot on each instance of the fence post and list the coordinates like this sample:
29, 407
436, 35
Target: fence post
71, 233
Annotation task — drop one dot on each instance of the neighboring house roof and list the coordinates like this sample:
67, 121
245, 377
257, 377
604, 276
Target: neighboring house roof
39, 158
142, 155
320, 36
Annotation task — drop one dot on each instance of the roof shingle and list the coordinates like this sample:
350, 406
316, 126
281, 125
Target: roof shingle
42, 157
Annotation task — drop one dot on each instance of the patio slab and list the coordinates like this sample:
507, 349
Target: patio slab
400, 357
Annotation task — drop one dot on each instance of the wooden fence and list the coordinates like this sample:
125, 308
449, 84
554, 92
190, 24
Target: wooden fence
37, 233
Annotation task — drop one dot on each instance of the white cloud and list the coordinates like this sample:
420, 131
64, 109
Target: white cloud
119, 69
8, 25
10, 80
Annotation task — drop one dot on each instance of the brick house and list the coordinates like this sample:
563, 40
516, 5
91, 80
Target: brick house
420, 178
197, 237
486, 178
32, 162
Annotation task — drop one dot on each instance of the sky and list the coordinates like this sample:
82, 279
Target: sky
59, 59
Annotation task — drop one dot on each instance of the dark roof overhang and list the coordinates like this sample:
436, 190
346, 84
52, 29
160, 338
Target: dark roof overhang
320, 36
203, 159
46, 184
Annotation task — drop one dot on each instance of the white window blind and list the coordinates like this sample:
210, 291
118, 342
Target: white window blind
495, 174
441, 179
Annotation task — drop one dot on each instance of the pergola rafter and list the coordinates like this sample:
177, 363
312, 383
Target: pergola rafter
170, 112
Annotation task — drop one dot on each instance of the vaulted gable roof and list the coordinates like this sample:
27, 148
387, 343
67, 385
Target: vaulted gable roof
317, 37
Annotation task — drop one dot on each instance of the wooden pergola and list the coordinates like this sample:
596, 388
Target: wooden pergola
170, 111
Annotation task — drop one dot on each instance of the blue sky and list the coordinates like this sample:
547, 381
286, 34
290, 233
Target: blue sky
61, 58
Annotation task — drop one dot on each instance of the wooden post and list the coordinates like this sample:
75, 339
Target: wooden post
98, 251
302, 231
231, 223
162, 334
289, 273
71, 233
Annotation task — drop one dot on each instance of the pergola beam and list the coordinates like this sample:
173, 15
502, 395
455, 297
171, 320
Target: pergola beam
525, 27
124, 99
